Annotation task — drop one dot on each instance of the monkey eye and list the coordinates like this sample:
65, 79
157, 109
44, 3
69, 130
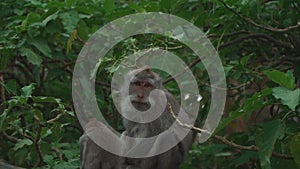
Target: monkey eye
147, 85
142, 84
137, 83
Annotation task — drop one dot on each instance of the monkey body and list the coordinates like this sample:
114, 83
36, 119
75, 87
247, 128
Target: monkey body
103, 160
170, 159
140, 84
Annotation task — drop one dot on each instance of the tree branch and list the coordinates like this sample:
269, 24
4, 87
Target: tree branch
223, 139
255, 35
268, 27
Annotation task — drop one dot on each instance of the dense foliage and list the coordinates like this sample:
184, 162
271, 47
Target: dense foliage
258, 42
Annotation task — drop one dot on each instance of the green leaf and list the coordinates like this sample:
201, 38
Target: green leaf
83, 30
266, 139
256, 101
109, 5
31, 56
69, 20
11, 86
26, 91
244, 60
46, 132
21, 143
295, 148
42, 45
286, 80
33, 18
288, 97
71, 164
50, 16
136, 7
167, 4
43, 99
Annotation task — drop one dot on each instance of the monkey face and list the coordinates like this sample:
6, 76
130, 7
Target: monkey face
140, 89
141, 83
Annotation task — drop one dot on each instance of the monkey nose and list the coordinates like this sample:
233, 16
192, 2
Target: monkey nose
140, 96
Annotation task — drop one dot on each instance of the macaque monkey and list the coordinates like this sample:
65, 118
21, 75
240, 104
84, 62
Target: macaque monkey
93, 156
141, 82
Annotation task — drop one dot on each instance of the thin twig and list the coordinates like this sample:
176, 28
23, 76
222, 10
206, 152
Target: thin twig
186, 125
55, 118
268, 27
254, 35
58, 153
223, 139
9, 138
228, 35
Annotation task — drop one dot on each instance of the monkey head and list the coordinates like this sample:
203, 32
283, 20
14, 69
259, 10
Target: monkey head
141, 83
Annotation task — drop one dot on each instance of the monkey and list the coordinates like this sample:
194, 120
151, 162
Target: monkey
141, 83
93, 156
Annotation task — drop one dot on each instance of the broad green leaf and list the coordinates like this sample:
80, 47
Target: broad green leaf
27, 90
21, 143
109, 5
288, 97
71, 113
31, 56
83, 30
244, 60
256, 101
46, 132
42, 45
136, 7
33, 18
50, 17
49, 159
69, 3
227, 69
295, 148
266, 139
11, 86
70, 20
284, 79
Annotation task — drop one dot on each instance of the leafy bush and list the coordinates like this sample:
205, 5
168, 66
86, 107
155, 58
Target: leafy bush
258, 43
